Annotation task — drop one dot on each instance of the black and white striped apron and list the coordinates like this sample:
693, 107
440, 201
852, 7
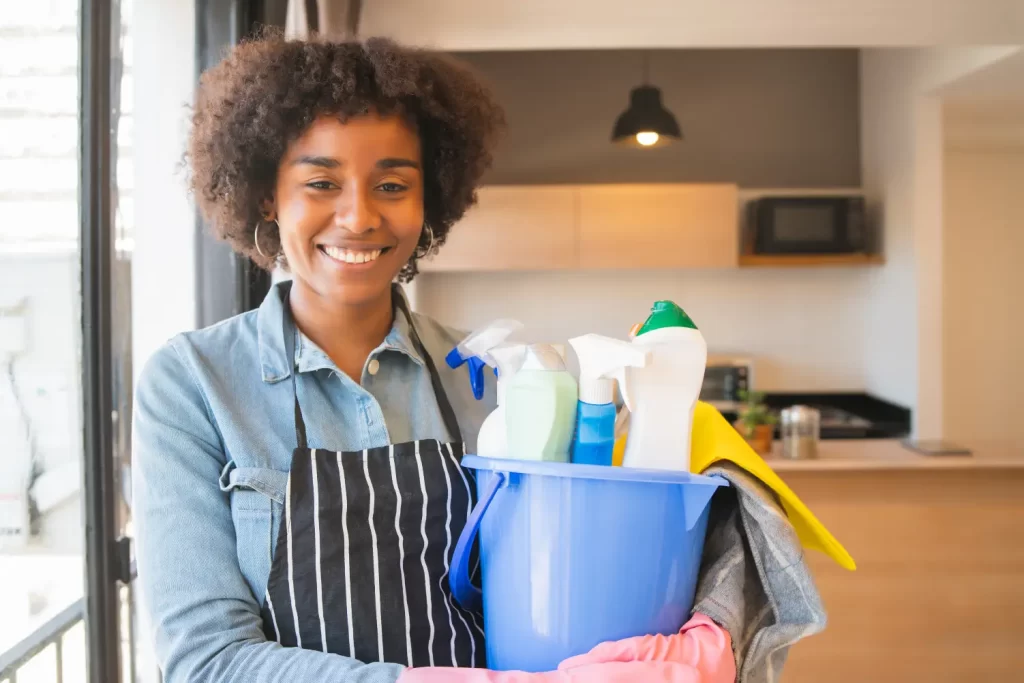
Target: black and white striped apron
365, 545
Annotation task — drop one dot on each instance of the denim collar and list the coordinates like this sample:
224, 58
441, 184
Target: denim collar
270, 329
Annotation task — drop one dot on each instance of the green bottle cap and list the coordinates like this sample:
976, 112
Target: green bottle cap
666, 314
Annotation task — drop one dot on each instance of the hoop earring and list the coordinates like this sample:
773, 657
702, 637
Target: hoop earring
256, 238
420, 252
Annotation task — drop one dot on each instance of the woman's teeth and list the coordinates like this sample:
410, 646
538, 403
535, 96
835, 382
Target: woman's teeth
348, 256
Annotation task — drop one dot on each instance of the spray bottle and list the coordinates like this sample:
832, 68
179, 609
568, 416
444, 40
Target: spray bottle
602, 359
662, 395
492, 441
540, 406
473, 350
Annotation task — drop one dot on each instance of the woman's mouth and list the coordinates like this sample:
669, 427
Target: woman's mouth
353, 256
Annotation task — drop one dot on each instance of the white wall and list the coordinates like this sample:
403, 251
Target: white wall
983, 297
542, 24
163, 263
902, 140
804, 328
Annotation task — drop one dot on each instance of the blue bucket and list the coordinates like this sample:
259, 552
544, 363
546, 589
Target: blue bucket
575, 555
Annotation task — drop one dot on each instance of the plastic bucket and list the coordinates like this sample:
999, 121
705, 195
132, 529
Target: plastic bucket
575, 555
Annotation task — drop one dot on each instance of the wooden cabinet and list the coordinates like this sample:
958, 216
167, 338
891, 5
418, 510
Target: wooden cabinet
544, 227
513, 228
658, 226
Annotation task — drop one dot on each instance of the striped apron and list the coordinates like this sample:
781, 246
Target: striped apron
365, 545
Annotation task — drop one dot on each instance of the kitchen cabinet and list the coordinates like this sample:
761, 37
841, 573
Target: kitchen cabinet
513, 228
658, 226
545, 227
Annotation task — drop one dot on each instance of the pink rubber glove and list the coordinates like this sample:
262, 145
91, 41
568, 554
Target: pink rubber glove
700, 653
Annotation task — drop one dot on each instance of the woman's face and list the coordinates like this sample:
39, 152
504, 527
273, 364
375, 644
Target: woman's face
349, 205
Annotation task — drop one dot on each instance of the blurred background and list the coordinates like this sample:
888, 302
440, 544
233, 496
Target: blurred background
833, 190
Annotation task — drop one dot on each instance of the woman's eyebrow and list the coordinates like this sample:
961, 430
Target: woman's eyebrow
397, 162
323, 162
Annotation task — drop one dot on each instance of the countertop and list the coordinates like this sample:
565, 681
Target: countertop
888, 454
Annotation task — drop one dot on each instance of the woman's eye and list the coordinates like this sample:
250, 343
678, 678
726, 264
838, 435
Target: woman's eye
321, 185
391, 187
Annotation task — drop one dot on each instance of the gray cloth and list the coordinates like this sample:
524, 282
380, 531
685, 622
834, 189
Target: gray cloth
754, 581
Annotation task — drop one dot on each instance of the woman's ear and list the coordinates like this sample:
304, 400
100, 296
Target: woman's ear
268, 209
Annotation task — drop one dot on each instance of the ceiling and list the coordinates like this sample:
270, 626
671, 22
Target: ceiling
456, 25
986, 107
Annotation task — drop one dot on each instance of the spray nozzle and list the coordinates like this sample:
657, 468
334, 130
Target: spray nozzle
603, 359
474, 350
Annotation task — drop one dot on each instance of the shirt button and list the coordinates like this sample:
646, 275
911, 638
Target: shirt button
373, 367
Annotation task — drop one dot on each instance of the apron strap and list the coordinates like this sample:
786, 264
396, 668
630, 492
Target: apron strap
291, 331
451, 424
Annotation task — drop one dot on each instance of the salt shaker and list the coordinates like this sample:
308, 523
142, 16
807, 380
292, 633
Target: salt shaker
800, 427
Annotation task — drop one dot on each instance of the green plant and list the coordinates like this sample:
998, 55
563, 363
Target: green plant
754, 412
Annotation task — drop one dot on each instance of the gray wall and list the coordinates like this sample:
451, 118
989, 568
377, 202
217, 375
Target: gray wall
756, 117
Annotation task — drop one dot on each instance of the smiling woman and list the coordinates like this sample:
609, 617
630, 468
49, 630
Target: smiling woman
297, 478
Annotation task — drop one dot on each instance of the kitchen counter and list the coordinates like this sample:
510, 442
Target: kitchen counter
939, 545
888, 454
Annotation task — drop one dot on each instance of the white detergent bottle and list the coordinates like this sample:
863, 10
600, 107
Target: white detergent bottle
540, 407
492, 441
662, 395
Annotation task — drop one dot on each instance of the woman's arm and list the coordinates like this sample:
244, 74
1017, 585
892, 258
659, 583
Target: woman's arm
203, 616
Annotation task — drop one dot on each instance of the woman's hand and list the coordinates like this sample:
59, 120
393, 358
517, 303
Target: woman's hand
700, 653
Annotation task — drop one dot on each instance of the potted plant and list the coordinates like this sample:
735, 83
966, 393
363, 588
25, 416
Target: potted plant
756, 423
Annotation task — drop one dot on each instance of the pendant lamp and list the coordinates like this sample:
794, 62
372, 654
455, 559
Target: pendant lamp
646, 123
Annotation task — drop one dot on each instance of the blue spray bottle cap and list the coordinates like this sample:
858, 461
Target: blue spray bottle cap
473, 351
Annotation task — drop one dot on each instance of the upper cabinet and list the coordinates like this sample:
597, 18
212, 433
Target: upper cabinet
658, 226
513, 228
532, 227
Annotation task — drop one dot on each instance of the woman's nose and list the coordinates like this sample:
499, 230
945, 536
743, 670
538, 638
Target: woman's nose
357, 212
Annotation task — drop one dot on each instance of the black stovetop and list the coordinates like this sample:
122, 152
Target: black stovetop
847, 415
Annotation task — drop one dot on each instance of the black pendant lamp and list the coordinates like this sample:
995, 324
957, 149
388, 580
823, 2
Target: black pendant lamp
647, 123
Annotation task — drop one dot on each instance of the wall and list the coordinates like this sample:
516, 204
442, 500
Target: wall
758, 118
583, 24
901, 134
983, 329
163, 263
804, 328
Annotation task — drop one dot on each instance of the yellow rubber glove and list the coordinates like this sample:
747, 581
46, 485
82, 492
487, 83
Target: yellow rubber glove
713, 440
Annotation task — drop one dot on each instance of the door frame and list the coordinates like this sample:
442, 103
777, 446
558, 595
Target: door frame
102, 565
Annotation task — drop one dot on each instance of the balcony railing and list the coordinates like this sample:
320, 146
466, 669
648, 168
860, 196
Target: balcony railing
50, 633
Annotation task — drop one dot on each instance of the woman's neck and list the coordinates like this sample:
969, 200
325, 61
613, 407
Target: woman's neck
346, 333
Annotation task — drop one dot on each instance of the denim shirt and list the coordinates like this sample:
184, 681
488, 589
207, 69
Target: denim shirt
213, 438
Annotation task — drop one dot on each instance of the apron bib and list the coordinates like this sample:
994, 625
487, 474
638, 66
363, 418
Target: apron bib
365, 546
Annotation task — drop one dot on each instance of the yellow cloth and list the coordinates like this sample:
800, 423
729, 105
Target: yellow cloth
714, 439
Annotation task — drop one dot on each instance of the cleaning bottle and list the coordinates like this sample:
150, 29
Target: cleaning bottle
492, 440
661, 396
540, 406
473, 350
602, 359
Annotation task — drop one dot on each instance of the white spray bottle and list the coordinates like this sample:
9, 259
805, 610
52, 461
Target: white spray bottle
492, 441
602, 360
475, 347
661, 396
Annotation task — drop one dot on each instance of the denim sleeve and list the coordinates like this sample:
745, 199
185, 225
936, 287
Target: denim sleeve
202, 615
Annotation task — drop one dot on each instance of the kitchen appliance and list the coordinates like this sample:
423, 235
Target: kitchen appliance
800, 428
808, 225
724, 378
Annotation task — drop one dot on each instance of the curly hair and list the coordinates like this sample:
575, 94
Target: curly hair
267, 92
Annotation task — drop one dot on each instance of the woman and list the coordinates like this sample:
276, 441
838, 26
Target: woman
297, 481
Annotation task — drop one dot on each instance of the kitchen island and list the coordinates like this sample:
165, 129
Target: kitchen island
938, 594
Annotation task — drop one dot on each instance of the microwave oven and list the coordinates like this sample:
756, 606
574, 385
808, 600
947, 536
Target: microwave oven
724, 378
808, 225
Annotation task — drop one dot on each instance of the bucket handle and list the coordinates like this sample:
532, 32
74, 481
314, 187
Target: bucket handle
465, 592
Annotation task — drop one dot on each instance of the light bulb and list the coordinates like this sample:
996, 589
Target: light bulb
647, 138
